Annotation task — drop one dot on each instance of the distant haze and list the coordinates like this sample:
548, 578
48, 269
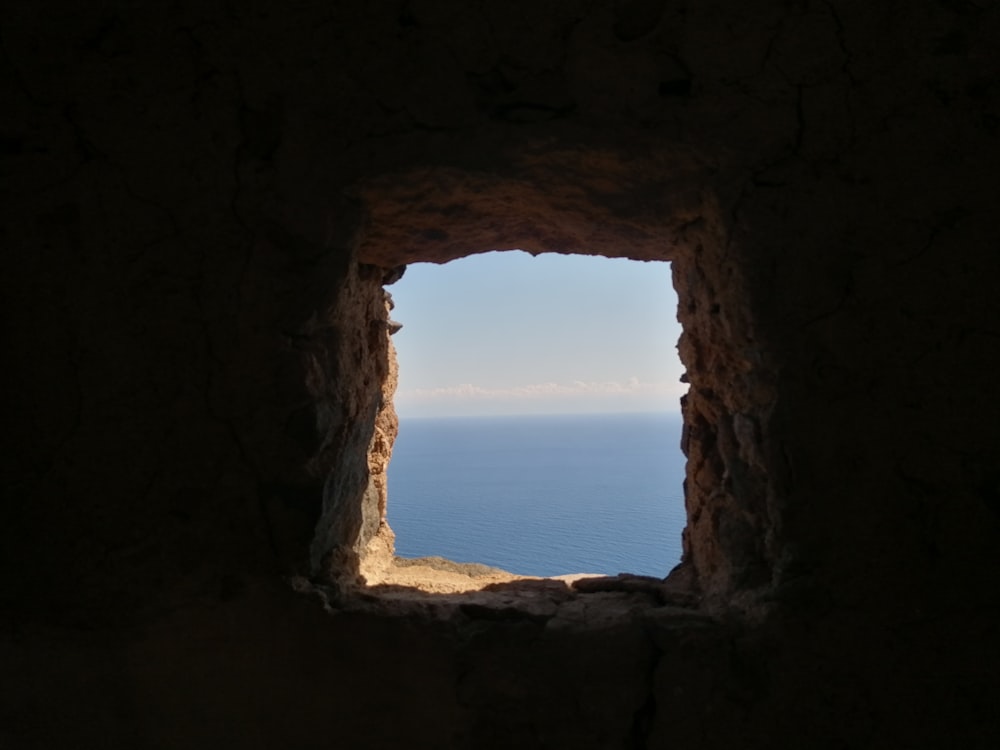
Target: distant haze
508, 333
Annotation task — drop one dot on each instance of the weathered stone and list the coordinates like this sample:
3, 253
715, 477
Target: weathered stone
201, 205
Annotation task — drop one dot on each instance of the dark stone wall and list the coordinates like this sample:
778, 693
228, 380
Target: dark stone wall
195, 202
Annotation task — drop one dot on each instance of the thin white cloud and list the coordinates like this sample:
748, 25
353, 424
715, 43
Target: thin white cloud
467, 391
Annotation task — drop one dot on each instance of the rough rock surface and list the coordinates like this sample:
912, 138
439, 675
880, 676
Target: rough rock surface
200, 205
377, 536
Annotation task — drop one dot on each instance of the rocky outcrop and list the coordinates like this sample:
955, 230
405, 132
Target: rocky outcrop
377, 536
352, 374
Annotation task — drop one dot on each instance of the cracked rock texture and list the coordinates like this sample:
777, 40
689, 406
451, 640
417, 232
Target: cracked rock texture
201, 203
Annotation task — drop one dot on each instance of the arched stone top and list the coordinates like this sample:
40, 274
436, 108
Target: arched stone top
635, 204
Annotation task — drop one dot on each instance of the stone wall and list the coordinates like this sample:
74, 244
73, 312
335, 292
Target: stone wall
200, 206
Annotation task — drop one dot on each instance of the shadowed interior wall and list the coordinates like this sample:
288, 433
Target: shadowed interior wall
200, 204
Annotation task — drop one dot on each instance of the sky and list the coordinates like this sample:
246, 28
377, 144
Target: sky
508, 333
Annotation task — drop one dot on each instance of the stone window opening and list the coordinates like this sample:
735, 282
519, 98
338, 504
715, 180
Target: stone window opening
612, 206
637, 331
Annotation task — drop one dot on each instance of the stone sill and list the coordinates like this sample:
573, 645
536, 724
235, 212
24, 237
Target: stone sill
437, 589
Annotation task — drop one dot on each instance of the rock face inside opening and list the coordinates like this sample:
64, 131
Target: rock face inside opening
201, 206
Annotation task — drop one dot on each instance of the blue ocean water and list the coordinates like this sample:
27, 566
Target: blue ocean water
541, 495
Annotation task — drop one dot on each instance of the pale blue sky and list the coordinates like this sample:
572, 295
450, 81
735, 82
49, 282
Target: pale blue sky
508, 333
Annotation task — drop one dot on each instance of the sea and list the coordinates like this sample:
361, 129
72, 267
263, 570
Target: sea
541, 495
